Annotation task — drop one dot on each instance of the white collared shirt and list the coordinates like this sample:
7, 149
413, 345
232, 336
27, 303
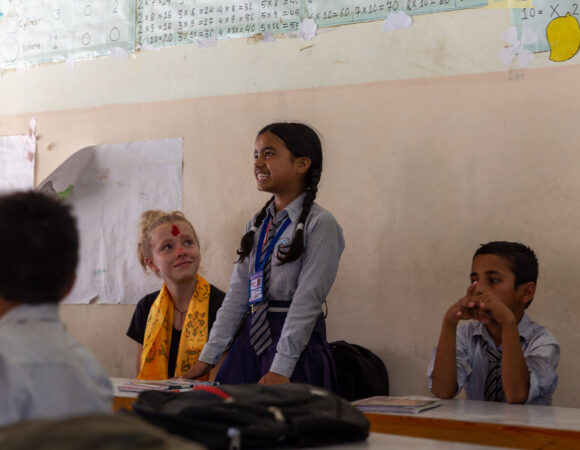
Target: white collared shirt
305, 282
539, 346
45, 372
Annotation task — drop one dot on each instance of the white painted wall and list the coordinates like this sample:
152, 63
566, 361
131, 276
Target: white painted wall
431, 148
443, 44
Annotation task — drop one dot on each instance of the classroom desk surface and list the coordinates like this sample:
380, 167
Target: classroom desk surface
380, 441
462, 421
499, 424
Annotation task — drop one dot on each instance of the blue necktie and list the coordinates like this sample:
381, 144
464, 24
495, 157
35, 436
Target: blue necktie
260, 336
493, 383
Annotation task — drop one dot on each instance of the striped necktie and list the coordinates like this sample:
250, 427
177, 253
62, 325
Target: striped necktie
260, 336
493, 383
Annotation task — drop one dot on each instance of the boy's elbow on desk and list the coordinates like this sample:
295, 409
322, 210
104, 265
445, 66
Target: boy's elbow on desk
518, 398
443, 393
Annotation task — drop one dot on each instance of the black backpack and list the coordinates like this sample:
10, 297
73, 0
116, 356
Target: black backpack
255, 416
360, 373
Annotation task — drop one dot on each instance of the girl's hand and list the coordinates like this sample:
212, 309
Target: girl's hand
199, 369
272, 378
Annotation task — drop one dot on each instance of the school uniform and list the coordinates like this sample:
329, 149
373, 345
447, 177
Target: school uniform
295, 294
45, 372
541, 353
138, 323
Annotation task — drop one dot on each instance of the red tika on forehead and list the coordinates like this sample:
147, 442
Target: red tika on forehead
174, 230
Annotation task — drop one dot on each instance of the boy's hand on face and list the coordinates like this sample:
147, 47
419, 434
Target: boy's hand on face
490, 308
464, 309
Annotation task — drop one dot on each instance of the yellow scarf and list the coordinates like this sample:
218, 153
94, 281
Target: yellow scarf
157, 340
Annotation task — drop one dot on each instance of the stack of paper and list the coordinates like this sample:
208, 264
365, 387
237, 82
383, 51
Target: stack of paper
173, 385
395, 404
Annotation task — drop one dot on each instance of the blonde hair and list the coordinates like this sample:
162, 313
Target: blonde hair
149, 221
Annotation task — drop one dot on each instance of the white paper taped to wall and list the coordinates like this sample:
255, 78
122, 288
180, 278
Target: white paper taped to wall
17, 156
109, 186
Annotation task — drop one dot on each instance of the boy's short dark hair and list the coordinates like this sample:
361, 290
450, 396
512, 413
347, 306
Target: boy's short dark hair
521, 258
39, 246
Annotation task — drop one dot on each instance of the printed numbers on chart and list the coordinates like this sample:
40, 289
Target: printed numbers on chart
422, 4
114, 34
88, 10
115, 6
56, 13
86, 38
528, 13
274, 26
555, 13
166, 38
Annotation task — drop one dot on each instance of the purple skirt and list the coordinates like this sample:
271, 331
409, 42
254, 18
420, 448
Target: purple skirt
315, 365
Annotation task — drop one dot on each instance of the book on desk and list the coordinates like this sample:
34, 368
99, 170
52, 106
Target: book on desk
403, 405
171, 385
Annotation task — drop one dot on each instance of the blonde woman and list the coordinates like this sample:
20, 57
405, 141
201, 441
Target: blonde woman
171, 325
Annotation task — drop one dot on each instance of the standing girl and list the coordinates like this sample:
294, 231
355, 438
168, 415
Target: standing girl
171, 326
288, 260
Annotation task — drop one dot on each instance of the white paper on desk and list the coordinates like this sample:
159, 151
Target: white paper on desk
109, 186
17, 163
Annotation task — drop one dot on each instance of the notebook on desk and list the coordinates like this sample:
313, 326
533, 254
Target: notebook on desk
172, 385
401, 405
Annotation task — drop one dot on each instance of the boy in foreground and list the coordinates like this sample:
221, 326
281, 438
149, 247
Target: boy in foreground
44, 372
501, 355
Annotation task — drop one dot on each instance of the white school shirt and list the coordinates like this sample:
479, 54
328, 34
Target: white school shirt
539, 346
45, 372
305, 282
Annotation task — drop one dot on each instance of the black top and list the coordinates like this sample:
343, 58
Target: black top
138, 323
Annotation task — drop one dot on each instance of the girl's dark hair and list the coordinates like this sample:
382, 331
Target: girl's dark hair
301, 140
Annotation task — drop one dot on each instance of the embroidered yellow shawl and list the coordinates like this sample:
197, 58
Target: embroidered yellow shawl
157, 339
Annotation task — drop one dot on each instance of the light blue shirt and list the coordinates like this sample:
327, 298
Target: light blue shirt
541, 352
44, 372
305, 282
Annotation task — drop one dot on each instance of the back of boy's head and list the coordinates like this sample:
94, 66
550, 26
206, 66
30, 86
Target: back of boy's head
39, 247
521, 259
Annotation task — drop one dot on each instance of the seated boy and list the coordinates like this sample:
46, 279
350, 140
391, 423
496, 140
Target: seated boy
502, 355
44, 372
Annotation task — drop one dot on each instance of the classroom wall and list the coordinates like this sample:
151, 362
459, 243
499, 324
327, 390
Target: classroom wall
431, 148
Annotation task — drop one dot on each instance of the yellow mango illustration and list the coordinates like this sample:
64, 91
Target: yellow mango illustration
563, 35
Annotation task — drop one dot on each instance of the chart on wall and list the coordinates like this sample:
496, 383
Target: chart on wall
561, 15
167, 22
40, 31
43, 31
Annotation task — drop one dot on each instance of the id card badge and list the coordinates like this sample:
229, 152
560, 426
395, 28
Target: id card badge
256, 288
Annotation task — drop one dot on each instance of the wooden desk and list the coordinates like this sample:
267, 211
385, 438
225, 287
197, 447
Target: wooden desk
463, 421
488, 423
379, 441
122, 399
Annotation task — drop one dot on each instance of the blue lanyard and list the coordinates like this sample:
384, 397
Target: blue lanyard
270, 249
